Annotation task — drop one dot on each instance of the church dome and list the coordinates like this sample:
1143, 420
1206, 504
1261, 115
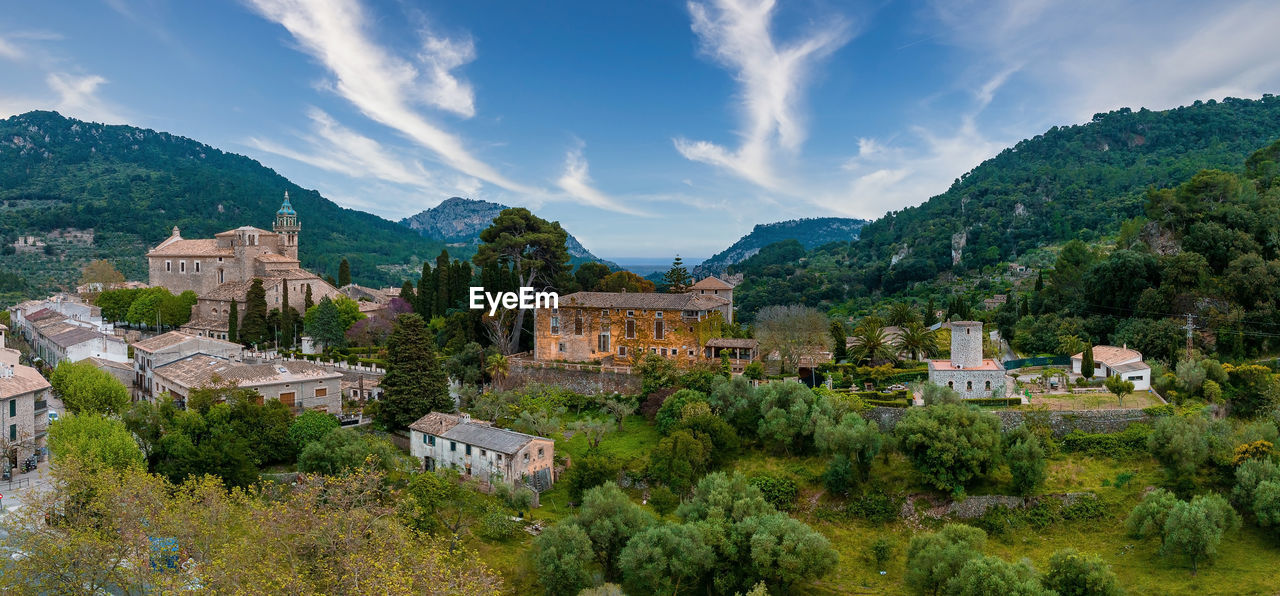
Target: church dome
286, 208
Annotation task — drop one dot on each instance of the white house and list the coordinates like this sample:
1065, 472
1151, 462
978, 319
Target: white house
477, 448
1110, 360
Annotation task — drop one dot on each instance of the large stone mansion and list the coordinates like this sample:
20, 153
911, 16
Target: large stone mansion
221, 269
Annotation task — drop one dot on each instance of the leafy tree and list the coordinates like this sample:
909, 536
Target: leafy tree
663, 500
84, 388
95, 442
626, 281
656, 373
789, 415
680, 458
934, 559
619, 407
310, 426
665, 558
1086, 363
1073, 574
562, 556
1026, 460
344, 449
253, 326
935, 394
1148, 518
1119, 387
589, 275
344, 274
532, 247
441, 502
610, 520
950, 445
1181, 445
853, 438
415, 383
1256, 480
100, 271
589, 471
196, 442
981, 576
672, 410
1196, 528
677, 278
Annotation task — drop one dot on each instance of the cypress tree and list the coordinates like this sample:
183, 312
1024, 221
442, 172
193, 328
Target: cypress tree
930, 313
443, 295
254, 327
344, 274
839, 350
307, 303
1039, 282
415, 383
286, 316
233, 323
407, 293
331, 281
426, 294
461, 277
1086, 362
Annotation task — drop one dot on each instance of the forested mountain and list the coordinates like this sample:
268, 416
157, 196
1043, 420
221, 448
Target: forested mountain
1070, 182
810, 232
133, 185
460, 221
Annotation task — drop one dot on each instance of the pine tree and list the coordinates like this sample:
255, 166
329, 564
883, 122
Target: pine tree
415, 383
1086, 362
253, 329
344, 274
307, 303
677, 277
233, 323
286, 316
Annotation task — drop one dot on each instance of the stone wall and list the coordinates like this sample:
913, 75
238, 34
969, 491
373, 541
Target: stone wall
1061, 422
581, 381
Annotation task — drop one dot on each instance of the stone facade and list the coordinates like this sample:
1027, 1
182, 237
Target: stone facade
479, 449
299, 385
579, 381
967, 371
24, 420
617, 327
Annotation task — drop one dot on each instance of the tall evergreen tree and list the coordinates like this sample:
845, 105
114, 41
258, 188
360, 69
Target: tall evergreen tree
344, 274
535, 250
286, 316
443, 295
839, 349
333, 282
677, 277
1086, 362
1039, 282
426, 293
415, 383
325, 326
233, 322
461, 278
307, 303
930, 313
407, 294
253, 330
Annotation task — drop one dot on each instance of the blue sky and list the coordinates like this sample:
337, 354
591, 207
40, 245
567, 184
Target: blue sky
646, 128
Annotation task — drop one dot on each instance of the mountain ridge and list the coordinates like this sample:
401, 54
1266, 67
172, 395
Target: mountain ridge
811, 232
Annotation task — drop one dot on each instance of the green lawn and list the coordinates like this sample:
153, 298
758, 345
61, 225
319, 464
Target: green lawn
1247, 563
1092, 401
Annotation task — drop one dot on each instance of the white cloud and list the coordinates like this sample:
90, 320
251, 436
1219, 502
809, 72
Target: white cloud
9, 50
77, 96
384, 87
576, 182
737, 34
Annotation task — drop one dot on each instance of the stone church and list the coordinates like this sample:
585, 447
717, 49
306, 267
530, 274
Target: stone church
221, 269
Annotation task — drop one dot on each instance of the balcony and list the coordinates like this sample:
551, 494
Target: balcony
41, 405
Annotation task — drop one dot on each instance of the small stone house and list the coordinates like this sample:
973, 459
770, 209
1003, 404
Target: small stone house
479, 449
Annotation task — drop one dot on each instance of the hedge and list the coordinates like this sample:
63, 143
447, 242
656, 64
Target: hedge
1132, 440
995, 401
881, 396
884, 403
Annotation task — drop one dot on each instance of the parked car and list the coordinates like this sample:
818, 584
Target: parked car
53, 416
897, 387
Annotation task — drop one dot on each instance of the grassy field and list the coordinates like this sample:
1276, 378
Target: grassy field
1093, 401
1247, 563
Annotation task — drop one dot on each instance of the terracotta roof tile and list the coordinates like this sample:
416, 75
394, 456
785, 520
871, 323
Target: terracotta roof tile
646, 301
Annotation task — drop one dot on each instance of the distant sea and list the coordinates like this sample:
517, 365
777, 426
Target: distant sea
643, 266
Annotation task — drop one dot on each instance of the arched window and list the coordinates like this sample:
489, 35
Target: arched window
951, 384
968, 386
988, 385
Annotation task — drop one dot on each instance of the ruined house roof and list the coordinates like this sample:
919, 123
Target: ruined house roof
645, 301
24, 380
435, 423
478, 433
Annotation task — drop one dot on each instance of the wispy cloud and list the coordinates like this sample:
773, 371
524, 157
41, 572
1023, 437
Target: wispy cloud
9, 50
385, 87
737, 34
77, 96
576, 182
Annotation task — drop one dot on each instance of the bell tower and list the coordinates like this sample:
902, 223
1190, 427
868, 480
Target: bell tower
287, 227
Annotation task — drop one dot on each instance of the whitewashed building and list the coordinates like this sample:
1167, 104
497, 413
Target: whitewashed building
477, 448
1111, 360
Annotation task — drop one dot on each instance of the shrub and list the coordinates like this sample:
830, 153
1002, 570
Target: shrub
995, 401
654, 402
663, 500
1130, 441
1085, 507
779, 492
497, 525
874, 506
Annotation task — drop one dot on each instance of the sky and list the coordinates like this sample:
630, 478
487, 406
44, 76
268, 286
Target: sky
647, 128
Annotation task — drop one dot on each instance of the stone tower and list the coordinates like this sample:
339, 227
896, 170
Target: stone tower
966, 344
287, 227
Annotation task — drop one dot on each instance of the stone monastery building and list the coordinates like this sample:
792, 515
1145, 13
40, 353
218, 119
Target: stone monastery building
221, 269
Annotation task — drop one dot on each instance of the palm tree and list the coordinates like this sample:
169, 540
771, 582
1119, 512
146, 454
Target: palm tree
497, 367
902, 314
871, 343
921, 341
